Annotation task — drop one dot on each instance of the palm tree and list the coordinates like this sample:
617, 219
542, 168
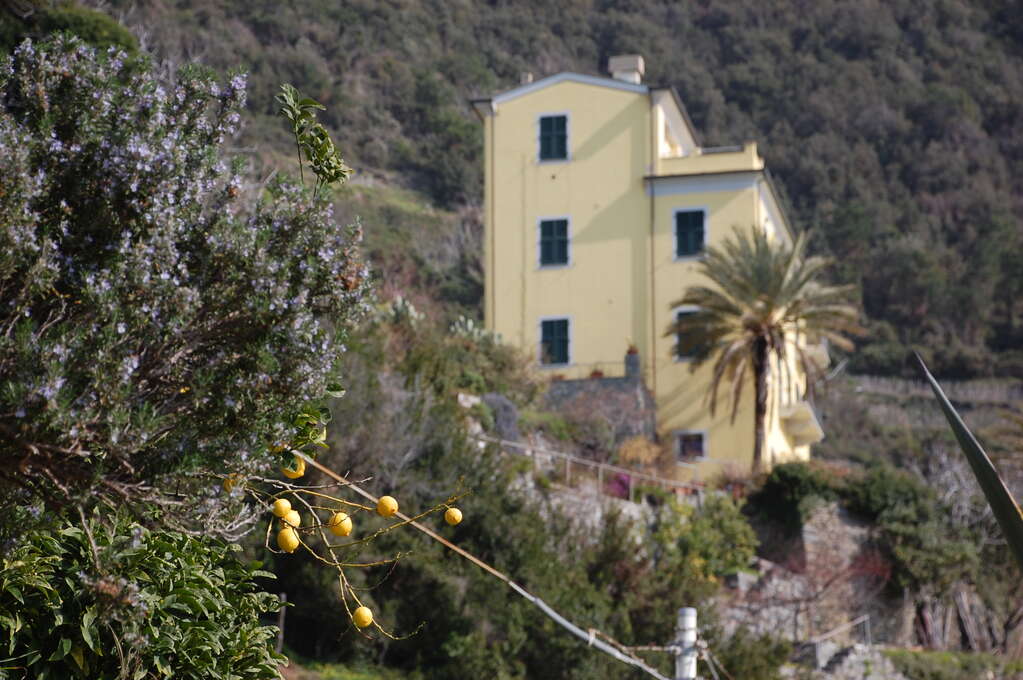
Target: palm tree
764, 303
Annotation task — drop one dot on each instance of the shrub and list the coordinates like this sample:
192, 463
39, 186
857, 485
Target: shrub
789, 488
154, 319
113, 599
552, 424
749, 656
716, 535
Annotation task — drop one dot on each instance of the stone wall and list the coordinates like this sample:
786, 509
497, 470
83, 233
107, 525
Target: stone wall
624, 404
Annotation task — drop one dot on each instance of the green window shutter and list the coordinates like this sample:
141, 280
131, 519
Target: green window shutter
689, 233
553, 138
679, 352
553, 242
554, 341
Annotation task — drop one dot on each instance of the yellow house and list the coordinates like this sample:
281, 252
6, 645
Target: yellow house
599, 201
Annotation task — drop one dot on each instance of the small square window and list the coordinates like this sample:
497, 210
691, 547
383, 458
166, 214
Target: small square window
689, 446
553, 138
554, 342
553, 242
689, 233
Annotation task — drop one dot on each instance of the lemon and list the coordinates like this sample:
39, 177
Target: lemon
387, 506
291, 518
362, 617
453, 516
340, 524
297, 472
281, 507
287, 540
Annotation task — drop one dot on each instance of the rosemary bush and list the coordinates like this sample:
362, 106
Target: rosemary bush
156, 318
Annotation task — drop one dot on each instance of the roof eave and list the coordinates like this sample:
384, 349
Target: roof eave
769, 180
596, 81
683, 110
482, 106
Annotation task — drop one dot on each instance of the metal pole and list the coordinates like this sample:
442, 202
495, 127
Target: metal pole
685, 657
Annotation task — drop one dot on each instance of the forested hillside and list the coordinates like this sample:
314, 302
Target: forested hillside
895, 128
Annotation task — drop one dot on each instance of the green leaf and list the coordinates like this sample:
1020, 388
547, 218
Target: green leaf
1004, 506
87, 620
335, 390
61, 651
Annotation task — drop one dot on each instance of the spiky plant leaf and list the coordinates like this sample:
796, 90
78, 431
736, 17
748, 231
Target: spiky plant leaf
1004, 506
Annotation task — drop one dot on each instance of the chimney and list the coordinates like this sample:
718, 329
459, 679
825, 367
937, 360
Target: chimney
633, 369
525, 78
627, 67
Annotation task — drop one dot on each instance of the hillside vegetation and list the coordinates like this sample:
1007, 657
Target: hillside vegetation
894, 127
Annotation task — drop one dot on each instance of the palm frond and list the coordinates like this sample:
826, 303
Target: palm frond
761, 291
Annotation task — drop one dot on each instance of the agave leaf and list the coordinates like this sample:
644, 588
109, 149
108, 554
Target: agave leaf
1004, 506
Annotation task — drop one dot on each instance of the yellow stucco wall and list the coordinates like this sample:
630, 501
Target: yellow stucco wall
600, 191
622, 276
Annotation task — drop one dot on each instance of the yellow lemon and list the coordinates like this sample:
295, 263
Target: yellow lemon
281, 507
287, 540
291, 518
340, 524
297, 472
362, 617
387, 506
453, 516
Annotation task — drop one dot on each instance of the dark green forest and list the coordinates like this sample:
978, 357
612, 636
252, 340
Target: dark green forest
894, 128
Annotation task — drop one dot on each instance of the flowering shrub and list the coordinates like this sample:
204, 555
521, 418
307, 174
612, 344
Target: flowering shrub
155, 317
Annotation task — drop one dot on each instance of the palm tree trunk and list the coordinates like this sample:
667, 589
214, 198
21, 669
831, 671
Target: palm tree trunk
760, 369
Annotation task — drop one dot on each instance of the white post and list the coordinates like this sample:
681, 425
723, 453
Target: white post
685, 657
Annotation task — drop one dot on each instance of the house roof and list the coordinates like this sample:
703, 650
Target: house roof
483, 105
567, 76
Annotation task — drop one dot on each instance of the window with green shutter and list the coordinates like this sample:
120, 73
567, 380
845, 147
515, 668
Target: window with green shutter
553, 242
553, 138
554, 342
681, 350
688, 232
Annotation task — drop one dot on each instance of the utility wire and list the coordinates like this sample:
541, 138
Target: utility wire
590, 639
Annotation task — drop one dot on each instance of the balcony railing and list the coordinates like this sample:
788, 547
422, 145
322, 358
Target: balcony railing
600, 478
712, 160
